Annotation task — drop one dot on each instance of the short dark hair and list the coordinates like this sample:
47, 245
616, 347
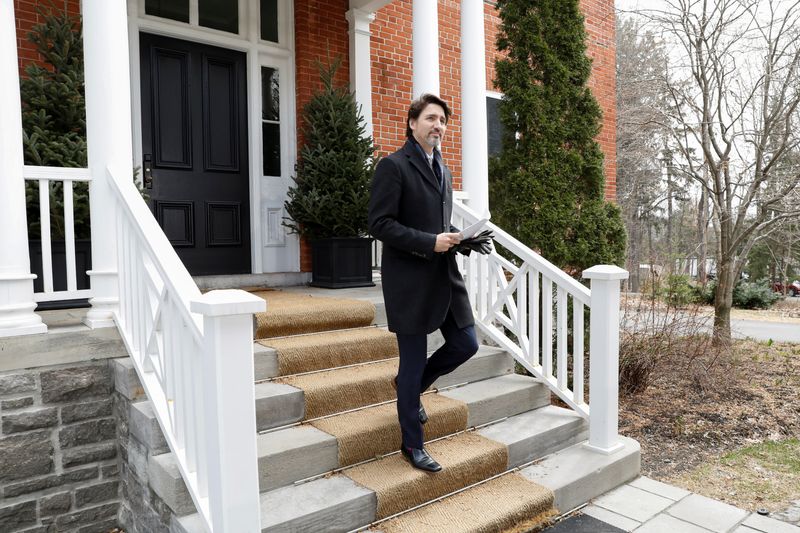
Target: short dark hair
416, 107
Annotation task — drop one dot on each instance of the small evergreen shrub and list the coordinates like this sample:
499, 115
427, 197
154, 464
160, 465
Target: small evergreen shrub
330, 196
705, 295
754, 295
678, 290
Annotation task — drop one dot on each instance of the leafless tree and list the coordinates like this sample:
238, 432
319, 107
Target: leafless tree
734, 85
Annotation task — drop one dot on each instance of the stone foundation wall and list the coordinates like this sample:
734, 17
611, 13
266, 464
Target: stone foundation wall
58, 449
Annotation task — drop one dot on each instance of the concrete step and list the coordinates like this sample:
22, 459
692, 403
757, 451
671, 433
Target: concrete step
295, 453
279, 404
336, 504
577, 474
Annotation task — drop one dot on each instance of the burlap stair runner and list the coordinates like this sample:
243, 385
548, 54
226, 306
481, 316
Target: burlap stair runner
342, 389
290, 313
507, 504
374, 431
332, 349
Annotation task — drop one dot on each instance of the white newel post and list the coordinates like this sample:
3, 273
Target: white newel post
230, 415
604, 357
475, 143
425, 42
16, 281
108, 137
360, 63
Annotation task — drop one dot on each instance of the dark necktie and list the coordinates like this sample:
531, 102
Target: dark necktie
437, 170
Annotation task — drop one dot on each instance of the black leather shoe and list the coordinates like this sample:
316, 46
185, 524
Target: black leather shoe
419, 458
423, 416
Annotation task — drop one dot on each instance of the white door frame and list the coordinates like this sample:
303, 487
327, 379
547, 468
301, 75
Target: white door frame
258, 53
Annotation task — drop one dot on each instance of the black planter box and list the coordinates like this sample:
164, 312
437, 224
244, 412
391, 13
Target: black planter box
339, 263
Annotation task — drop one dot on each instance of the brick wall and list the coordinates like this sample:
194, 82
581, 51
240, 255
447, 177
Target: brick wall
58, 449
26, 15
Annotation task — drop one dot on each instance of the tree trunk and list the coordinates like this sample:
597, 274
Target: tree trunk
702, 236
723, 301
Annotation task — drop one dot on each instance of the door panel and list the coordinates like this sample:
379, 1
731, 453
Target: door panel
194, 136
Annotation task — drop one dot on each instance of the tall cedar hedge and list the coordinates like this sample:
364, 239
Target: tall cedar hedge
330, 196
546, 184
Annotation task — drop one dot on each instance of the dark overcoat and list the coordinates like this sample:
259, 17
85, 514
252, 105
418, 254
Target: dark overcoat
407, 210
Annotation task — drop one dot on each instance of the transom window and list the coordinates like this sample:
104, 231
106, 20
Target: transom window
220, 15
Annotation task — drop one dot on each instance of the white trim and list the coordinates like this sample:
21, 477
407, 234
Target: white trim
249, 41
494, 94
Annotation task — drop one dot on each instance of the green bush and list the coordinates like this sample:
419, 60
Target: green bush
678, 290
705, 295
754, 295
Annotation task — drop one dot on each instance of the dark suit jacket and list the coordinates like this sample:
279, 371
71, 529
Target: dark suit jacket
406, 212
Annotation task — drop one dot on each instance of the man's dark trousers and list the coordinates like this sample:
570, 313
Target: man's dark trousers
417, 372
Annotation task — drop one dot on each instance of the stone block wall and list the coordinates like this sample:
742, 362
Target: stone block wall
58, 449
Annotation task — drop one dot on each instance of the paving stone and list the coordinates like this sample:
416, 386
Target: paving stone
56, 504
616, 520
745, 529
769, 525
14, 517
50, 481
86, 410
16, 383
16, 403
87, 432
633, 503
102, 492
27, 455
661, 489
705, 512
29, 420
70, 384
583, 524
664, 523
89, 454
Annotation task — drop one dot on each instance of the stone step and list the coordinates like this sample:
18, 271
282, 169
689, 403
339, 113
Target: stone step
337, 504
577, 474
279, 404
295, 453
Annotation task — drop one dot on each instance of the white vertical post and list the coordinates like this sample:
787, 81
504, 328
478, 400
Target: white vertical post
16, 281
360, 62
108, 137
425, 42
604, 357
474, 136
230, 417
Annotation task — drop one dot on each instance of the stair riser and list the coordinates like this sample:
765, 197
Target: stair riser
278, 404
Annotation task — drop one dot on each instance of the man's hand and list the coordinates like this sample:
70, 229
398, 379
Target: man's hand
445, 241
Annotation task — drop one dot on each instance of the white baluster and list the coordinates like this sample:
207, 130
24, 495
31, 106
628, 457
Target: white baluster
547, 327
577, 350
561, 339
69, 236
44, 218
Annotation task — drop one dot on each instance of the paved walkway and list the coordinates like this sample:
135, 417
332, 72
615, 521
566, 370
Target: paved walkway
648, 506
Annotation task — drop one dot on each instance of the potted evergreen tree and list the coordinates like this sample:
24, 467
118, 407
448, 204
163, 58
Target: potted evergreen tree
328, 203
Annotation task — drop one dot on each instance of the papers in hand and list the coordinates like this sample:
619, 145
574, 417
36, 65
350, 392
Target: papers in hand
470, 231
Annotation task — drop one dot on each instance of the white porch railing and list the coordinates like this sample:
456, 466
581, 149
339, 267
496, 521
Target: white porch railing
194, 356
46, 177
524, 306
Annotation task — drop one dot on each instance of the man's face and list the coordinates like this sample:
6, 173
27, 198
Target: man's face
429, 128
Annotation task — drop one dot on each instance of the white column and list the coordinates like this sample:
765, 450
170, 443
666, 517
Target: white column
360, 62
108, 137
425, 40
474, 137
604, 358
230, 415
16, 281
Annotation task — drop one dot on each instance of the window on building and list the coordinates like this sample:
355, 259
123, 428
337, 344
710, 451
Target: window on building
168, 9
269, 20
494, 127
270, 121
219, 15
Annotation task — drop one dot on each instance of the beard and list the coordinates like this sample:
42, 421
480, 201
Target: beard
434, 141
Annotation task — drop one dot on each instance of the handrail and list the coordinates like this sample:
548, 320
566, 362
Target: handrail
523, 305
194, 356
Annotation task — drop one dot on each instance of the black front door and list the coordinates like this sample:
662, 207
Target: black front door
194, 138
